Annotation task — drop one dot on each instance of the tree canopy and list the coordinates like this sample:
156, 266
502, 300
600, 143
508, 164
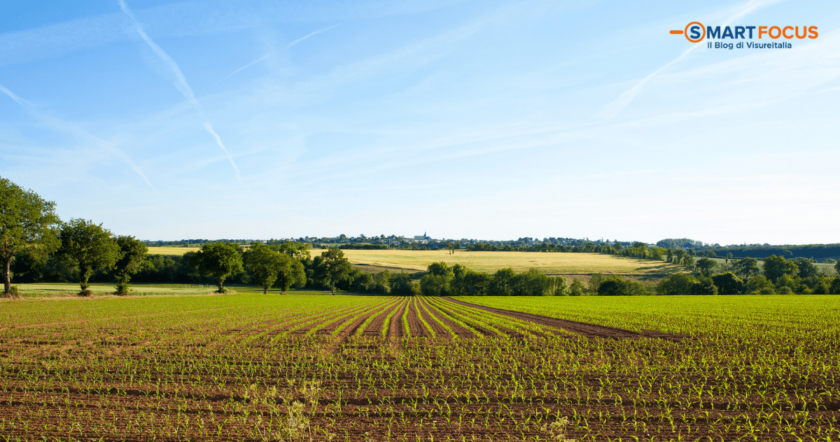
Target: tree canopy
27, 223
89, 246
218, 259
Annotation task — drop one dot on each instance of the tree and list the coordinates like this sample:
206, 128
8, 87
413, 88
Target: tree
436, 282
292, 274
132, 255
777, 266
333, 267
806, 268
617, 286
759, 284
577, 288
728, 284
704, 286
89, 246
502, 283
401, 285
451, 246
837, 267
218, 259
746, 267
835, 286
676, 284
265, 264
706, 266
27, 224
728, 257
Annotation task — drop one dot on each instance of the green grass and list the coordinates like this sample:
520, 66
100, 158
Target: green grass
61, 289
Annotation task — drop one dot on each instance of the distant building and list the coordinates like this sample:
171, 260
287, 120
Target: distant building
422, 238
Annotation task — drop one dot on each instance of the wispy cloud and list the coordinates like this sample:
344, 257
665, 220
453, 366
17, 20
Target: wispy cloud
612, 109
64, 126
266, 56
180, 83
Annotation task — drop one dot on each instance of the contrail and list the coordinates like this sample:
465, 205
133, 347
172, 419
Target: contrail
56, 123
611, 110
180, 83
266, 56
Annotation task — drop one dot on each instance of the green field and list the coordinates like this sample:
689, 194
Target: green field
61, 289
356, 368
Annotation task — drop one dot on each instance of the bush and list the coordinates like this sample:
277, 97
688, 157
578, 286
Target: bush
14, 291
617, 286
728, 284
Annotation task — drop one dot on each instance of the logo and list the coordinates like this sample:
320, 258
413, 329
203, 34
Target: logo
730, 37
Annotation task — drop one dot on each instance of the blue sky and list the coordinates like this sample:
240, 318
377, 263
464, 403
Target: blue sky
466, 119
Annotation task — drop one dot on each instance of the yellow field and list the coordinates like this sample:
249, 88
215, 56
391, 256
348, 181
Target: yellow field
172, 251
549, 263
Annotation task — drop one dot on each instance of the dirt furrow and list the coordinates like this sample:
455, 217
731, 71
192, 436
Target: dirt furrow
581, 328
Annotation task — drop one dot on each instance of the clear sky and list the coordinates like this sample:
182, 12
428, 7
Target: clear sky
466, 119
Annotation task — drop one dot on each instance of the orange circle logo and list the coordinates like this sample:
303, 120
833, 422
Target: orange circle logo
701, 27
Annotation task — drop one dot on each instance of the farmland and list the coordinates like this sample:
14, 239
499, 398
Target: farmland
309, 366
549, 263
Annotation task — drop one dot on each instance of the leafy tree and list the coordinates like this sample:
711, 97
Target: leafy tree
669, 255
728, 284
759, 284
617, 286
560, 286
837, 267
577, 288
401, 285
746, 267
292, 274
333, 267
777, 266
595, 282
436, 282
806, 268
706, 266
728, 257
218, 259
711, 254
835, 286
89, 246
502, 283
676, 284
131, 260
531, 283
27, 224
704, 286
265, 264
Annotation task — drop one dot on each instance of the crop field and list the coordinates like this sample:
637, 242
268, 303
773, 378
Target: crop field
316, 367
172, 251
550, 263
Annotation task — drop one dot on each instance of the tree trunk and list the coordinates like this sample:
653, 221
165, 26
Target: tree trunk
7, 283
220, 281
332, 285
265, 290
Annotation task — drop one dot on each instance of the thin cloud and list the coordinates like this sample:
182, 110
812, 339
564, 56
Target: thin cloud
180, 84
266, 56
75, 130
609, 111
